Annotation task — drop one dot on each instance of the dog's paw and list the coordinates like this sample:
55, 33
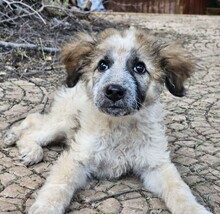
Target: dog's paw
45, 208
195, 209
32, 154
202, 210
10, 137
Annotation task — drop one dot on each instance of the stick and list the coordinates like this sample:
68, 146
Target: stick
23, 4
28, 46
114, 195
45, 104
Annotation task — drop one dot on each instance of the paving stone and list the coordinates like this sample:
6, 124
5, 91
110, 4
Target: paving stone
6, 207
6, 178
118, 189
131, 195
213, 200
186, 161
110, 205
3, 126
159, 211
91, 184
28, 204
13, 202
20, 171
212, 160
42, 168
95, 196
7, 162
51, 156
188, 143
74, 205
216, 173
31, 182
89, 195
193, 179
205, 189
2, 168
84, 211
189, 152
104, 185
138, 205
15, 110
156, 203
177, 126
2, 155
14, 191
209, 148
132, 182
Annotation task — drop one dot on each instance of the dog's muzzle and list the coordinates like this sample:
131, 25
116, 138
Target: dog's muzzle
115, 100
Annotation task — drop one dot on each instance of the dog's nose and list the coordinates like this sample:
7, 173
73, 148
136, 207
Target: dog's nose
114, 92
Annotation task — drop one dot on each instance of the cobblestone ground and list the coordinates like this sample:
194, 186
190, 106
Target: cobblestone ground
193, 129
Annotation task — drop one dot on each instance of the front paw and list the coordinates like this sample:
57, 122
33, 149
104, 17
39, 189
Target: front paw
195, 209
31, 154
10, 137
202, 210
46, 207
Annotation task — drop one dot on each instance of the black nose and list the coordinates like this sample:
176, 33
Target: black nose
114, 92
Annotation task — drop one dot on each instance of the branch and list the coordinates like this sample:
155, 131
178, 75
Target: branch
28, 46
27, 13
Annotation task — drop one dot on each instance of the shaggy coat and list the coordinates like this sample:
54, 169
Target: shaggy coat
110, 116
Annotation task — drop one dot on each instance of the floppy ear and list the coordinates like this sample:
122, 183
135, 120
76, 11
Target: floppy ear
177, 67
74, 54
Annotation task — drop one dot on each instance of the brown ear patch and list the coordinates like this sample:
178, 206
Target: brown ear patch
73, 56
177, 68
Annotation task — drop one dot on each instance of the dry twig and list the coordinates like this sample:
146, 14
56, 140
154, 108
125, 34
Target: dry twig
15, 3
28, 46
114, 195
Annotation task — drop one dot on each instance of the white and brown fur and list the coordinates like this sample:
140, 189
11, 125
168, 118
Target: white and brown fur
111, 117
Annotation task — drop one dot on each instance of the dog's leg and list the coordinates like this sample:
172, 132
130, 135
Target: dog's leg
66, 177
14, 133
166, 182
35, 131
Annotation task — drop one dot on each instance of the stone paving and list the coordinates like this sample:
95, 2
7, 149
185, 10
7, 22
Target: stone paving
193, 127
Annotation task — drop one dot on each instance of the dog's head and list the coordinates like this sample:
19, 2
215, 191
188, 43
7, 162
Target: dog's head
125, 70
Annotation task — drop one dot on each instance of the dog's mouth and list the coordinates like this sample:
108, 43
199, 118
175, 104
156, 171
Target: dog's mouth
116, 110
115, 107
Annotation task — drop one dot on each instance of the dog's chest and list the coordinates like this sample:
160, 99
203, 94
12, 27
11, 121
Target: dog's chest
113, 147
118, 151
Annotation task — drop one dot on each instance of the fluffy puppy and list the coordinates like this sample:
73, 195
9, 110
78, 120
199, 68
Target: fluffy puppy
111, 118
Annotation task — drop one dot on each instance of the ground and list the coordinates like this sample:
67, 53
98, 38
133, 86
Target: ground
193, 126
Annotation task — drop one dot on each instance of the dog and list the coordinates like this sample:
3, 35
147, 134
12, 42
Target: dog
110, 116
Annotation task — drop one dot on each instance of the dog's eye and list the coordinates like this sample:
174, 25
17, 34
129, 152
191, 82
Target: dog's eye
103, 65
140, 68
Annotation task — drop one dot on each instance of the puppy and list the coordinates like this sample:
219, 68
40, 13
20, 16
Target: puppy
111, 119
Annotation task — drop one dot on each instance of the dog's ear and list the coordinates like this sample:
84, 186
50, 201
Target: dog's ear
177, 67
74, 55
